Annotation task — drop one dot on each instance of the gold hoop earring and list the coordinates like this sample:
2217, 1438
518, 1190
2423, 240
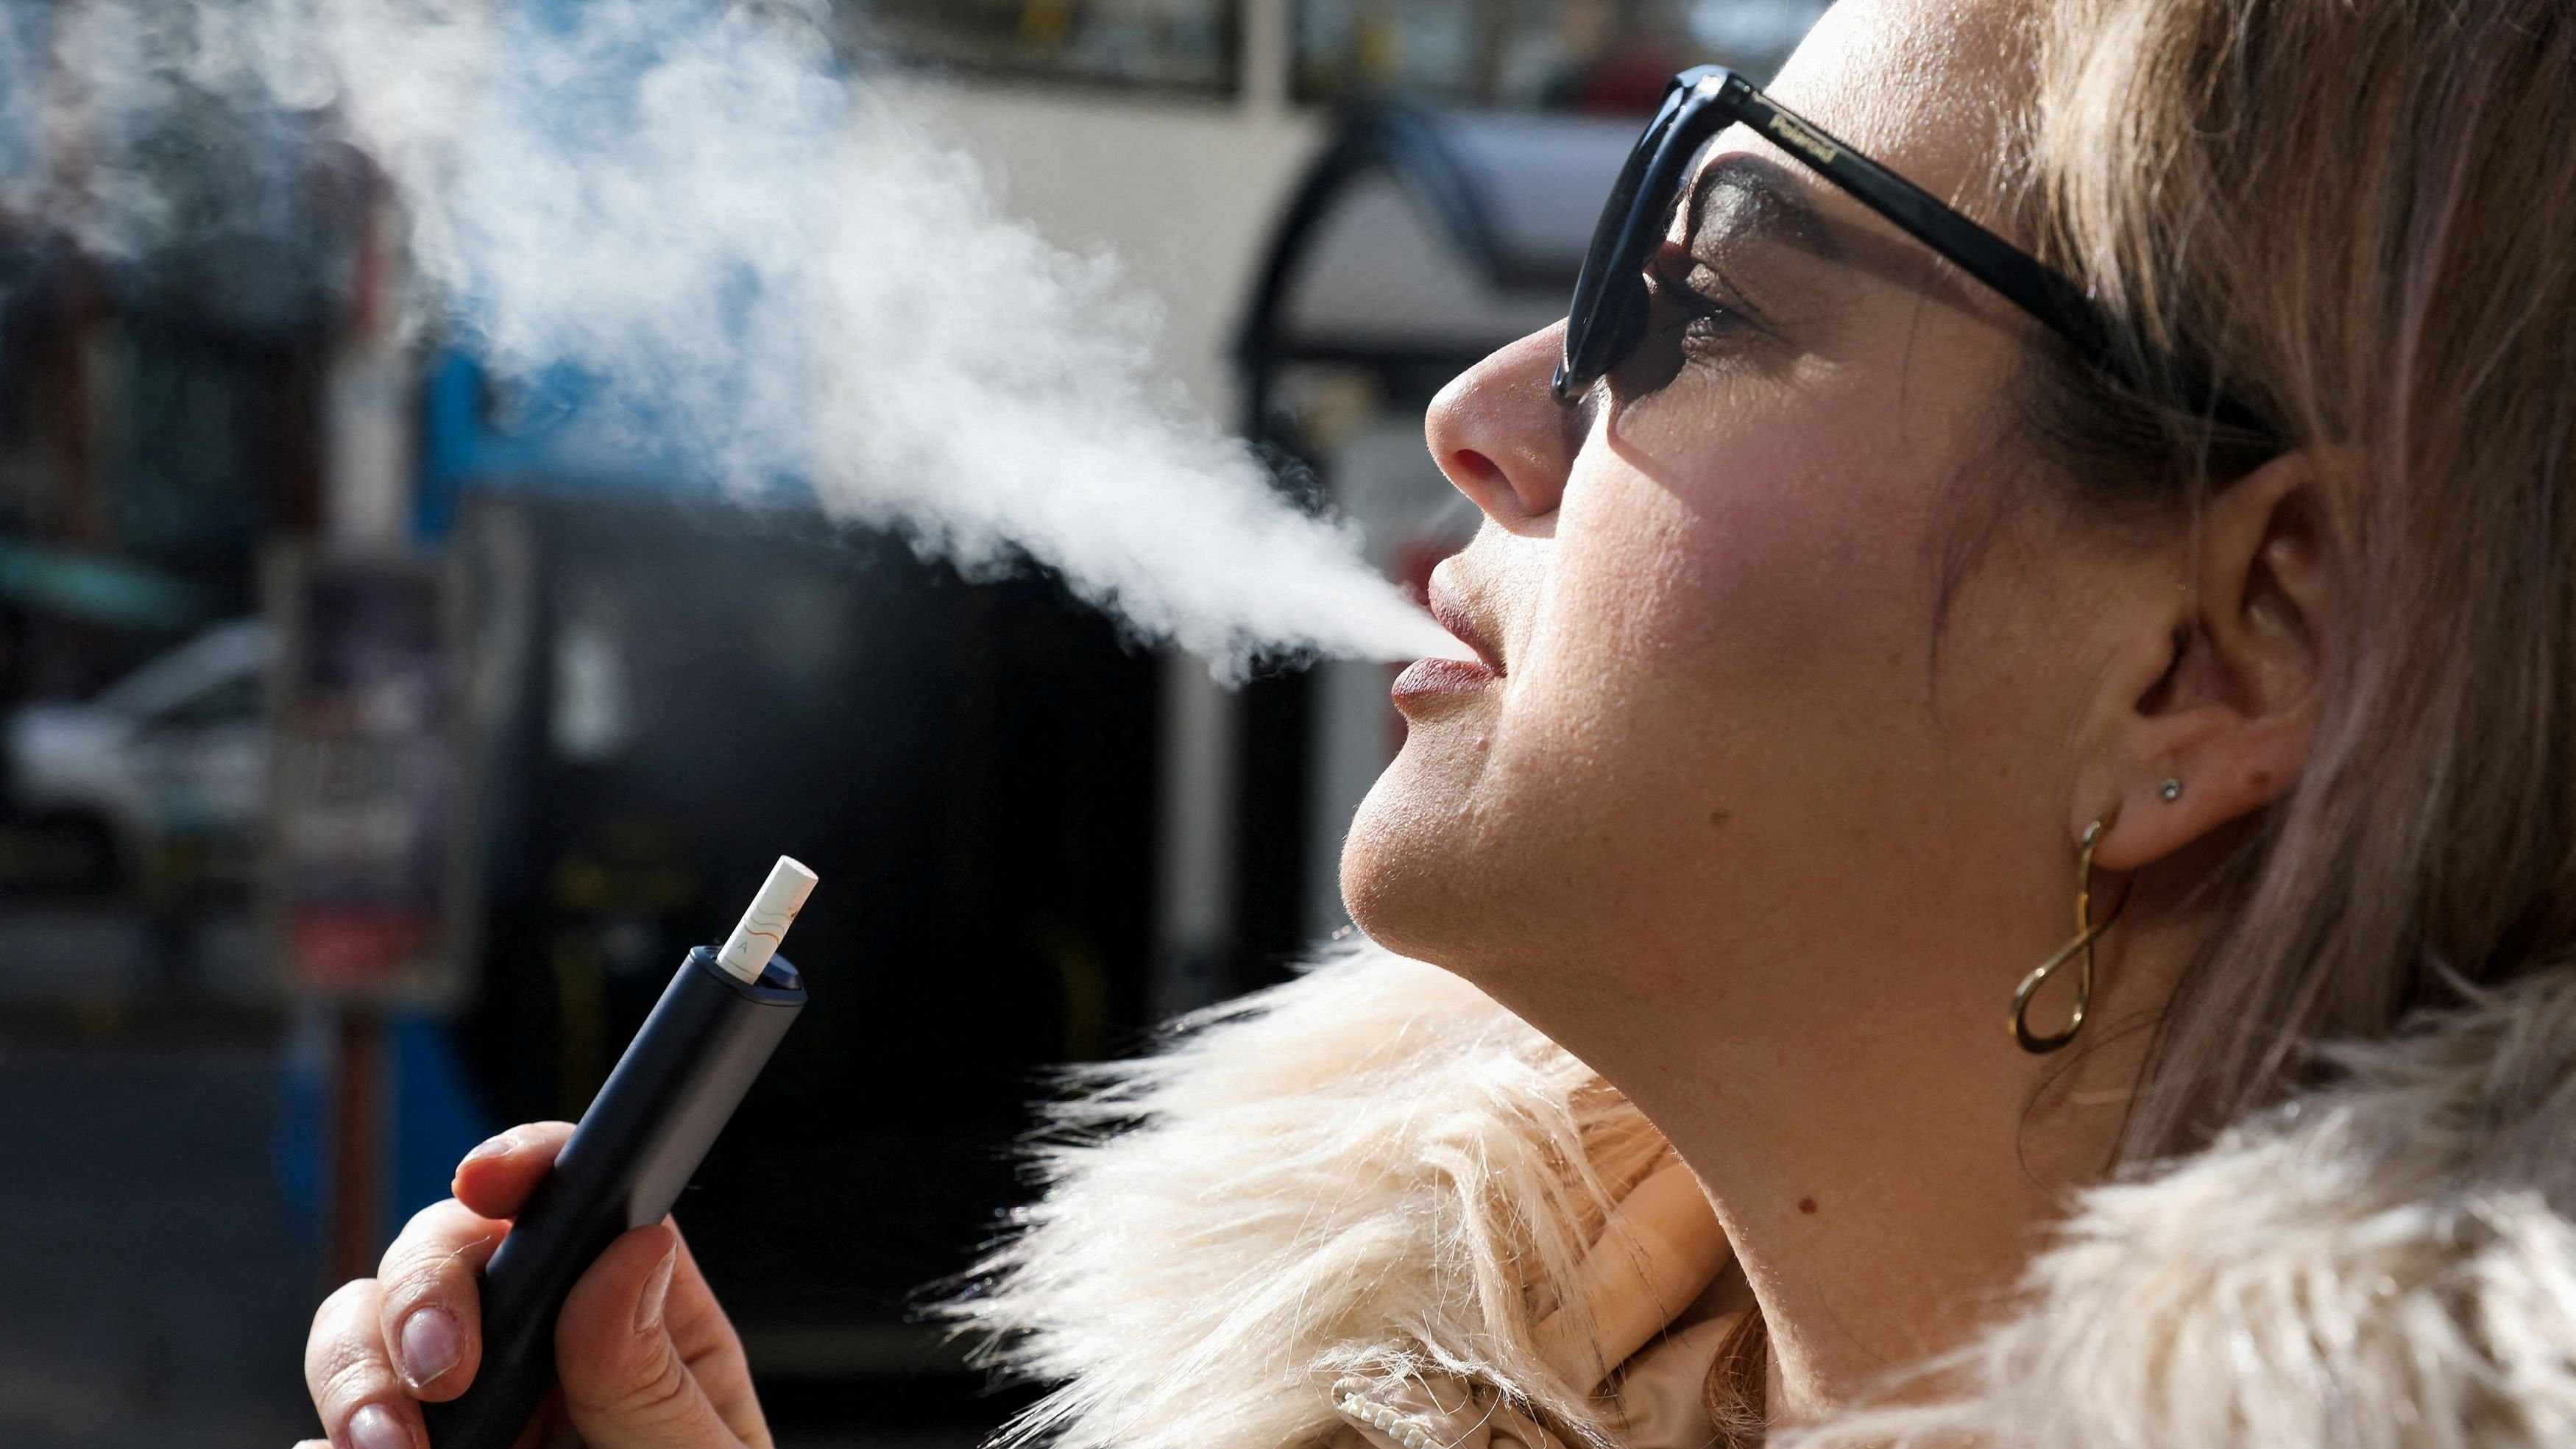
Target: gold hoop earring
2087, 930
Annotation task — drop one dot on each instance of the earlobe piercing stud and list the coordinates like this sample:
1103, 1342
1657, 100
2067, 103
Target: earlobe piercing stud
2171, 790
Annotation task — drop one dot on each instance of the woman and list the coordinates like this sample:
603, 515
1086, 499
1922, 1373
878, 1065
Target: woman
1871, 599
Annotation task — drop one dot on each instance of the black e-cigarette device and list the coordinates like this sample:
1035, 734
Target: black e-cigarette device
634, 1149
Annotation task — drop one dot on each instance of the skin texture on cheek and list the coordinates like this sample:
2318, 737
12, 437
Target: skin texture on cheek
1740, 637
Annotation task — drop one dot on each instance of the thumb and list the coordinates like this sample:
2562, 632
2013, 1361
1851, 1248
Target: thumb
625, 1385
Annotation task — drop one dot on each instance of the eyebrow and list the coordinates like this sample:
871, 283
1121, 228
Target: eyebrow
1750, 198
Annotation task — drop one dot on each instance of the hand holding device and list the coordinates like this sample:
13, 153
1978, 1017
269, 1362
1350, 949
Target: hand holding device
632, 1379
589, 1272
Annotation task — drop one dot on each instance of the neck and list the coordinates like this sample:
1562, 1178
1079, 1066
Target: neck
1886, 1174
1873, 1244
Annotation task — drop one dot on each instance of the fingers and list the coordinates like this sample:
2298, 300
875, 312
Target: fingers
625, 1383
639, 1346
708, 1344
496, 1177
430, 1305
361, 1400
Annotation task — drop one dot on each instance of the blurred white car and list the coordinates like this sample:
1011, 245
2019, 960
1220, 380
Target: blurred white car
176, 749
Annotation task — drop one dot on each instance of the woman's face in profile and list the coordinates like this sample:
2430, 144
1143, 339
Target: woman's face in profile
1722, 732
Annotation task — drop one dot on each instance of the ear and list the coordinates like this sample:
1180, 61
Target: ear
2221, 695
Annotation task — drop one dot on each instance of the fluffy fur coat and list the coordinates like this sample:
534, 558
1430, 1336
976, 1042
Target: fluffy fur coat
1375, 1175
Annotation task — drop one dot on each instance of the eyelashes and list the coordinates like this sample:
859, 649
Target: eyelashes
1694, 326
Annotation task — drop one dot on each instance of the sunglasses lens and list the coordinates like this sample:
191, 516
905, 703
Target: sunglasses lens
1604, 336
1609, 308
1624, 321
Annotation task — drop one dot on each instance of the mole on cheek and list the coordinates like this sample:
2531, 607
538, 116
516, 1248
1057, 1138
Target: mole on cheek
1721, 818
1806, 1205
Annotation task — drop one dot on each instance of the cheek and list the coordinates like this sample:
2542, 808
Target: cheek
1711, 598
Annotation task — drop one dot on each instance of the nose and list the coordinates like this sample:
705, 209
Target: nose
1502, 438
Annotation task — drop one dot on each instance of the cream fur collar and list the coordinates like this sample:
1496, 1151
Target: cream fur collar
1374, 1172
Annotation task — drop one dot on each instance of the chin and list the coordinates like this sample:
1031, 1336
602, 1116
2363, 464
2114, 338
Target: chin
1394, 863
1411, 877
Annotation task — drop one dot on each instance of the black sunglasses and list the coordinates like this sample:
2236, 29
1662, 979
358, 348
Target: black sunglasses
1609, 310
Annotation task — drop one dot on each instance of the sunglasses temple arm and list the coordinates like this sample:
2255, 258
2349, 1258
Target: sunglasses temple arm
1997, 263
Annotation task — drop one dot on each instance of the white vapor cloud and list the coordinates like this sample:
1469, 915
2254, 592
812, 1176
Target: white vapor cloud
772, 270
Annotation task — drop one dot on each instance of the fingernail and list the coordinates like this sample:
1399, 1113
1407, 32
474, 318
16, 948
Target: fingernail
375, 1427
430, 1345
493, 1146
648, 1314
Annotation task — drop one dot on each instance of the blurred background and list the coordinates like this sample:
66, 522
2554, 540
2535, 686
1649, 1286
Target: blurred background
367, 762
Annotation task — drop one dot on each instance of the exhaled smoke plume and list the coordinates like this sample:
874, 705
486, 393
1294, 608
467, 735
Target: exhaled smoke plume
766, 267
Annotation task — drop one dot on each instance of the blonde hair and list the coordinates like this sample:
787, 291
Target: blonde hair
2358, 212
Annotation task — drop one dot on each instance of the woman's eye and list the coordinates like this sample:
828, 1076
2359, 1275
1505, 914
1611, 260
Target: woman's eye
1695, 321
1711, 321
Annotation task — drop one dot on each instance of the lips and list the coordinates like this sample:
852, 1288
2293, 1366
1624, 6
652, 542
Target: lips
1428, 679
1449, 607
